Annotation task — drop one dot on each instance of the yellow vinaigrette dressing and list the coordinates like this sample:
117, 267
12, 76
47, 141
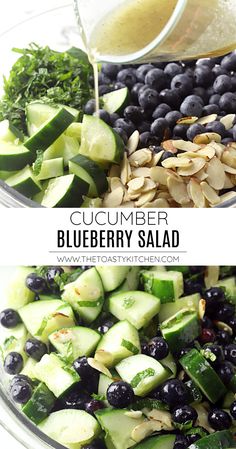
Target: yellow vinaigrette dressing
205, 28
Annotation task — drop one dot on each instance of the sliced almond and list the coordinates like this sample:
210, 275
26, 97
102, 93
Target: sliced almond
197, 164
223, 327
216, 174
129, 204
207, 119
187, 120
140, 158
229, 196
202, 308
135, 414
208, 152
125, 170
149, 185
178, 190
114, 199
99, 367
229, 184
155, 159
168, 145
209, 193
136, 184
159, 174
174, 162
201, 175
219, 149
145, 198
104, 357
159, 203
144, 430
211, 276
196, 194
229, 157
133, 142
114, 171
228, 121
206, 138
115, 183
185, 145
161, 416
230, 170
202, 419
142, 171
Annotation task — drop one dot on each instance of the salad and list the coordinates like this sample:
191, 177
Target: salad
164, 135
118, 357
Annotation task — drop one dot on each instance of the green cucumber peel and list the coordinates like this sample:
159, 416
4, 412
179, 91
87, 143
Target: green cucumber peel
176, 319
96, 303
149, 372
128, 345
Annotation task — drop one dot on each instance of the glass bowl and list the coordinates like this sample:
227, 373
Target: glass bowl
57, 28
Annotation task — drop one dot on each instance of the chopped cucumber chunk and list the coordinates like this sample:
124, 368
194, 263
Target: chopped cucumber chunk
75, 342
90, 172
25, 182
65, 191
14, 157
17, 294
51, 168
116, 101
40, 404
181, 329
112, 276
190, 302
168, 286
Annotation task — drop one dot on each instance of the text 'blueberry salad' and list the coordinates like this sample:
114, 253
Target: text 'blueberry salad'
119, 357
165, 135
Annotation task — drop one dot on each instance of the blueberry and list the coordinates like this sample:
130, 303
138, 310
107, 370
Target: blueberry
111, 70
172, 69
133, 113
13, 363
21, 392
92, 406
228, 102
126, 125
159, 127
51, 274
219, 419
210, 109
181, 442
215, 99
189, 72
223, 337
194, 130
184, 415
148, 99
158, 348
103, 78
122, 134
180, 131
232, 324
225, 312
183, 352
193, 438
183, 84
82, 367
75, 399
144, 127
192, 286
105, 326
174, 393
233, 410
147, 139
218, 71
113, 117
166, 155
172, 118
222, 84
20, 378
170, 97
120, 394
135, 91
142, 71
229, 62
216, 127
35, 348
156, 79
128, 77
35, 283
145, 348
226, 371
201, 92
118, 85
161, 111
156, 149
207, 336
230, 353
214, 294
217, 351
196, 99
104, 89
226, 141
103, 115
191, 107
203, 76
205, 62
233, 83
95, 444
90, 107
9, 318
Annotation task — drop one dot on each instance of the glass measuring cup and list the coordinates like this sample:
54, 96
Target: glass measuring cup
195, 28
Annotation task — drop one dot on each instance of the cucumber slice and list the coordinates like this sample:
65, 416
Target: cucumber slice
13, 340
112, 421
229, 285
40, 404
74, 130
72, 428
91, 202
4, 174
25, 182
143, 373
14, 157
135, 306
9, 133
169, 363
103, 384
168, 286
218, 440
112, 276
51, 168
121, 341
75, 341
158, 442
56, 374
190, 302
28, 369
228, 399
90, 172
17, 294
41, 318
100, 143
50, 130
65, 146
65, 191
181, 329
131, 281
116, 101
205, 377
86, 295
149, 404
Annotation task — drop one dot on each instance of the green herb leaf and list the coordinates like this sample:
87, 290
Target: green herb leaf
128, 302
128, 345
99, 397
149, 372
96, 303
8, 342
208, 355
151, 404
37, 165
